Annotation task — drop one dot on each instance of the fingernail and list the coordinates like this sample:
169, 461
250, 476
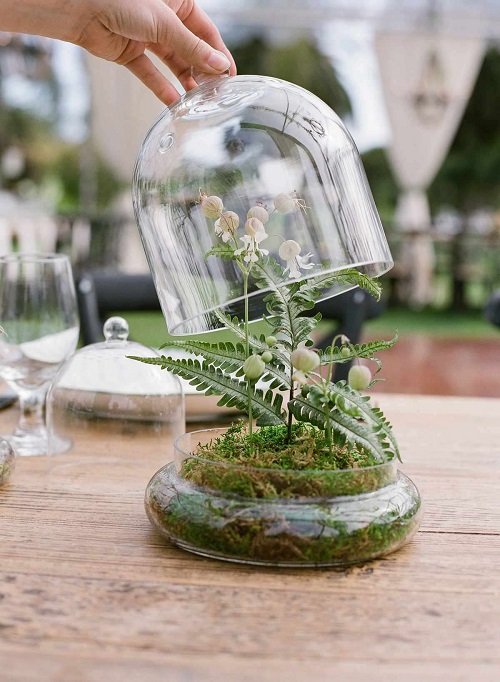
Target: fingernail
218, 61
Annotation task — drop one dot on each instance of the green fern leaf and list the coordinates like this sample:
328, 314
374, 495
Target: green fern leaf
349, 413
234, 325
230, 357
224, 251
338, 354
317, 285
211, 381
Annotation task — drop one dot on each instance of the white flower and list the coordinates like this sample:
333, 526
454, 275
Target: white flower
299, 377
255, 234
226, 225
289, 251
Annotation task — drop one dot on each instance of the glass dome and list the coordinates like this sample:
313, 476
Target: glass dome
242, 143
101, 394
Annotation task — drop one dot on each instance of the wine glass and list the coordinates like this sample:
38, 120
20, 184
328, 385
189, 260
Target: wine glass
39, 330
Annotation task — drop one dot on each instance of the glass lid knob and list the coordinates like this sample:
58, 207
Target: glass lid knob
115, 329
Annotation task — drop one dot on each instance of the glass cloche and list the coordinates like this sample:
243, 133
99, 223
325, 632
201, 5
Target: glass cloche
243, 147
101, 395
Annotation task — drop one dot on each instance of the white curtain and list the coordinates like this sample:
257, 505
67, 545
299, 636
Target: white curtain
427, 78
122, 112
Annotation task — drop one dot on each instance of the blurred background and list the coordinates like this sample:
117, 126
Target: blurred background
417, 83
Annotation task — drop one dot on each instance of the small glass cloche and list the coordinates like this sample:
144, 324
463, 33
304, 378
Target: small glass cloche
256, 162
101, 396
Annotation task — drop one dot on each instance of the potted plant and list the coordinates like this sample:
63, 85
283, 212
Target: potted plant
314, 481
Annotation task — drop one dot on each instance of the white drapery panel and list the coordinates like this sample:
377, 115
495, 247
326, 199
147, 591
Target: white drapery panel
414, 67
427, 79
122, 112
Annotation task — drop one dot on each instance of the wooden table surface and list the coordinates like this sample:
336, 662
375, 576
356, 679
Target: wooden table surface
89, 592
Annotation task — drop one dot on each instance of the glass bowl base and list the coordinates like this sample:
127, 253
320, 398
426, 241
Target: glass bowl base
287, 532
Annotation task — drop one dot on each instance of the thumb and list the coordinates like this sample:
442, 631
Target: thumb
174, 37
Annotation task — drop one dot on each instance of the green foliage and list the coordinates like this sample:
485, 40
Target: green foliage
285, 304
470, 175
347, 353
265, 448
229, 357
234, 325
382, 182
300, 62
52, 163
349, 415
210, 380
335, 408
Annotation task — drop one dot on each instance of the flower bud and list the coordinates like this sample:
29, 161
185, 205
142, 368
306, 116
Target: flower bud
345, 351
211, 206
258, 212
253, 367
253, 226
267, 356
284, 203
271, 341
305, 360
359, 377
229, 221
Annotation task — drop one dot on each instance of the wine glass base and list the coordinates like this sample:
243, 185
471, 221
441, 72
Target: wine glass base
29, 445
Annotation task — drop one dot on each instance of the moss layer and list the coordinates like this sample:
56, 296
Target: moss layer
324, 532
265, 466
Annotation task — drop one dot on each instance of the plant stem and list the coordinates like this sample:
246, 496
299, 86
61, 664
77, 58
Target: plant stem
247, 353
290, 416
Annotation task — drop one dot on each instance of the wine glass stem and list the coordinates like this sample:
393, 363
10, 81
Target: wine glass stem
32, 406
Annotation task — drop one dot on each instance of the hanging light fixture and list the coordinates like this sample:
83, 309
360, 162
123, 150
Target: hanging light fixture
431, 99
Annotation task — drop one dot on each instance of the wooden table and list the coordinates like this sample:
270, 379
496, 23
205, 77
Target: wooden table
89, 592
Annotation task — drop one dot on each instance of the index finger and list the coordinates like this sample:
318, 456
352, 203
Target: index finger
199, 23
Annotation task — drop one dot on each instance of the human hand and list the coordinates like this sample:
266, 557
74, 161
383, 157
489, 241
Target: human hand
177, 31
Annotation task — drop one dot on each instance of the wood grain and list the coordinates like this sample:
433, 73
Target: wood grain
89, 592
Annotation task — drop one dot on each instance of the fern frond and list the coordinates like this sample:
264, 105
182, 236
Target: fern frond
285, 310
210, 380
224, 251
338, 354
234, 325
349, 413
316, 285
230, 358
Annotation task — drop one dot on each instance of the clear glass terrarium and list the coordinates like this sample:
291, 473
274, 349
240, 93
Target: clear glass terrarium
249, 141
252, 201
280, 517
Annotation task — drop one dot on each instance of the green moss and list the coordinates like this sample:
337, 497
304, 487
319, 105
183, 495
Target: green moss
322, 532
5, 471
258, 499
264, 465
